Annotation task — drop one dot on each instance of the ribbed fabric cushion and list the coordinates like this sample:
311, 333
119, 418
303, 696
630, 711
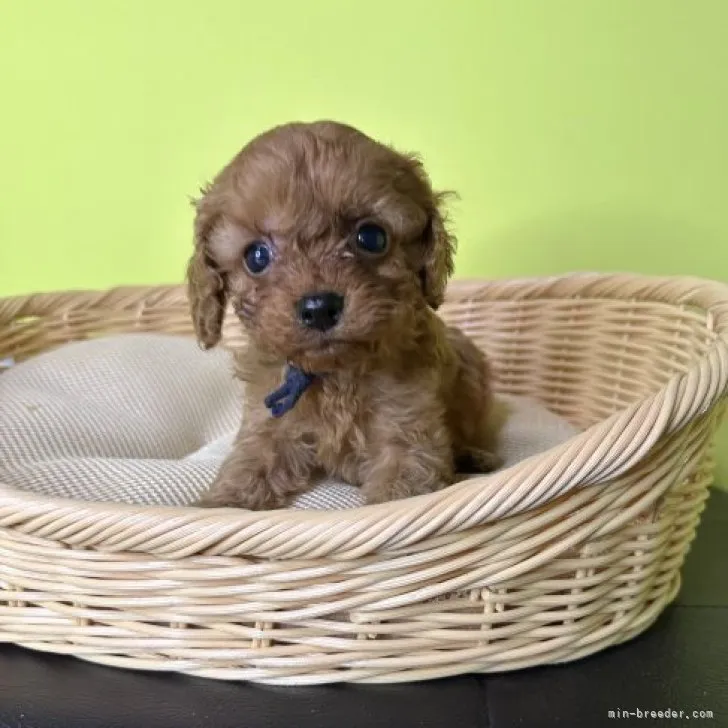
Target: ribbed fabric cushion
148, 418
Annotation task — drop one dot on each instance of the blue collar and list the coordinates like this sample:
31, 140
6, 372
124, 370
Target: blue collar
284, 398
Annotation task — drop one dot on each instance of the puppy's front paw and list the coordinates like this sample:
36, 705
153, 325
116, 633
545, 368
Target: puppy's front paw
409, 477
242, 491
401, 469
474, 460
383, 492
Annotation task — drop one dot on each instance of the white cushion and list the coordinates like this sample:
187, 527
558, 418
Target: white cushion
148, 419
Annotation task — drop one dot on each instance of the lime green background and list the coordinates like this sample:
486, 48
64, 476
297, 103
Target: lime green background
581, 134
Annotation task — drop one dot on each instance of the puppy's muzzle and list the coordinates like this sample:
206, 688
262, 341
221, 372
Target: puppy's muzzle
320, 311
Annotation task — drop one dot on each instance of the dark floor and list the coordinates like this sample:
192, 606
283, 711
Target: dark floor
680, 664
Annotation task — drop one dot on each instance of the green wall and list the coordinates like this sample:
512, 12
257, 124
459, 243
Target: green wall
581, 134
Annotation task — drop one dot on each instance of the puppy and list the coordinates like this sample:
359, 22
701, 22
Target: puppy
333, 251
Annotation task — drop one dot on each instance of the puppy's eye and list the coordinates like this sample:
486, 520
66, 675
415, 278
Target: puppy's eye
372, 239
257, 257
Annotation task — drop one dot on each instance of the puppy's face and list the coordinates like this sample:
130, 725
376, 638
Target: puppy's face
325, 242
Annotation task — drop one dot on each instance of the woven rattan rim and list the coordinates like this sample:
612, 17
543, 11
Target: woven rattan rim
604, 452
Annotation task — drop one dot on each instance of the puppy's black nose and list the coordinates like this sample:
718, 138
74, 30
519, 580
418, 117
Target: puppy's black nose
320, 311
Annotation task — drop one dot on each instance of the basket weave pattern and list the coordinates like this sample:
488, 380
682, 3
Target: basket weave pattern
553, 559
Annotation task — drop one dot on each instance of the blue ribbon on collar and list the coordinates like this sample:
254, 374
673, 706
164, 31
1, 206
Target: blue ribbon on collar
284, 399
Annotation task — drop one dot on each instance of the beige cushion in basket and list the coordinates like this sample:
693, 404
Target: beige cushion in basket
147, 418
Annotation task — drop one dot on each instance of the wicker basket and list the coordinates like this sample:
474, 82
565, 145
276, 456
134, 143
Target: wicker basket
553, 559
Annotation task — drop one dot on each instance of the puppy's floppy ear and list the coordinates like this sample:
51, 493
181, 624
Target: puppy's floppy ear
206, 286
438, 254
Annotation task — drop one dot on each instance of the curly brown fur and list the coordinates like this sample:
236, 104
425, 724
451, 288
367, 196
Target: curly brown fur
402, 399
